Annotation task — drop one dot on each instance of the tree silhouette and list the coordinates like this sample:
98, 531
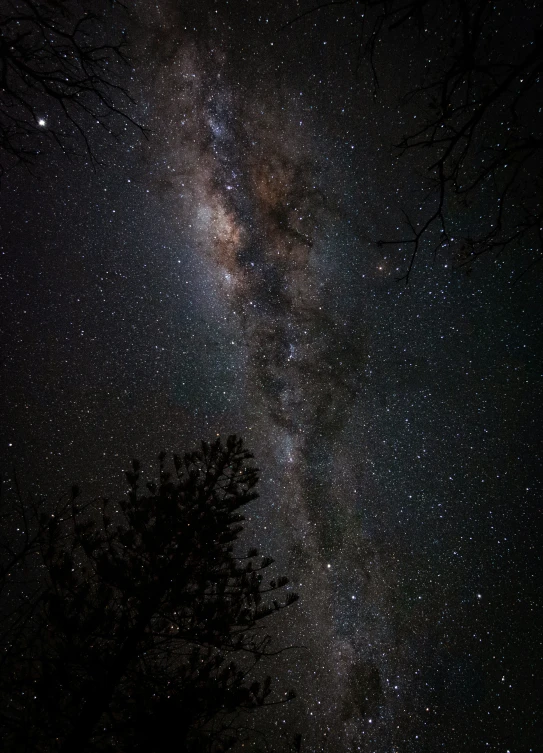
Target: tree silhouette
149, 623
62, 73
478, 131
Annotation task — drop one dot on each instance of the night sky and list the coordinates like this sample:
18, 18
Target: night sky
222, 276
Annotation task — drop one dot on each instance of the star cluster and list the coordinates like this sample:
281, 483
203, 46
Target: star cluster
223, 277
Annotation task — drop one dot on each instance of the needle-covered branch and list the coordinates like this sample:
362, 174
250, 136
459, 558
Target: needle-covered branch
149, 621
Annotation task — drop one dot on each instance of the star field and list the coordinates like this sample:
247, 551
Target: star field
223, 277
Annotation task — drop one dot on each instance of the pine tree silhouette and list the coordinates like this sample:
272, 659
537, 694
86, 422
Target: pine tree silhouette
148, 628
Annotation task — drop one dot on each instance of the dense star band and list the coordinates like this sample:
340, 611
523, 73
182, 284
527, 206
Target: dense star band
224, 275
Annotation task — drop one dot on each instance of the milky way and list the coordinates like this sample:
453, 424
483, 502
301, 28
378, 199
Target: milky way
254, 204
223, 277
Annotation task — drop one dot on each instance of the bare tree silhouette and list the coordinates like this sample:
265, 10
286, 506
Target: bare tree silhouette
63, 75
479, 102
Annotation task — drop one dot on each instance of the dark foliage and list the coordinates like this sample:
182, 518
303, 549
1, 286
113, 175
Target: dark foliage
62, 74
479, 130
147, 626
